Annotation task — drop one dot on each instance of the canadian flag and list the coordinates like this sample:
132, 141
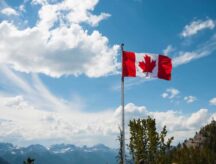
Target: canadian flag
146, 65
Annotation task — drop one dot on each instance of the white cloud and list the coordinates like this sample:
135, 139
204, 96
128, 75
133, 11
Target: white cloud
25, 123
131, 112
9, 11
198, 117
42, 2
179, 125
168, 50
185, 57
33, 124
170, 93
196, 26
16, 102
190, 99
203, 50
38, 116
212, 101
22, 8
58, 44
15, 80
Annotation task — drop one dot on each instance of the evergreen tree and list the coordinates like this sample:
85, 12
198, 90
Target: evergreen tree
146, 144
202, 149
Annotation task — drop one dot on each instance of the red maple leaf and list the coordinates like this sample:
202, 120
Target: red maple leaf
148, 65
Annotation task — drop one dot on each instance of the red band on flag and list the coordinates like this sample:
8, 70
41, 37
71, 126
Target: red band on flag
164, 67
128, 64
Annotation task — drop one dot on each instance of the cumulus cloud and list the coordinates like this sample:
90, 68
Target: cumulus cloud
15, 103
170, 93
27, 123
9, 11
31, 124
34, 124
35, 114
196, 26
131, 112
212, 101
38, 116
190, 99
179, 125
196, 118
59, 44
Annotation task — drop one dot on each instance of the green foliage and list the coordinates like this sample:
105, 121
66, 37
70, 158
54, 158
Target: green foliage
202, 151
209, 132
185, 155
146, 144
150, 147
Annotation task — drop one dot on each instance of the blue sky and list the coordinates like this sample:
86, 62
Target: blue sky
60, 68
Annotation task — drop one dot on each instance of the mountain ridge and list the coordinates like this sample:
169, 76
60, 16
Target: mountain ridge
58, 153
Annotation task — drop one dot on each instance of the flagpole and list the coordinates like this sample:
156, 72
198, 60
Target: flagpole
123, 115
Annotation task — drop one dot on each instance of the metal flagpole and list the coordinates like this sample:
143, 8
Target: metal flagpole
122, 103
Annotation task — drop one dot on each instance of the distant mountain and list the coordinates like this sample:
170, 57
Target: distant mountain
57, 154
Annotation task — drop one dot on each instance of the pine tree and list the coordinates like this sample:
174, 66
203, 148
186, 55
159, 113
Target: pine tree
146, 144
